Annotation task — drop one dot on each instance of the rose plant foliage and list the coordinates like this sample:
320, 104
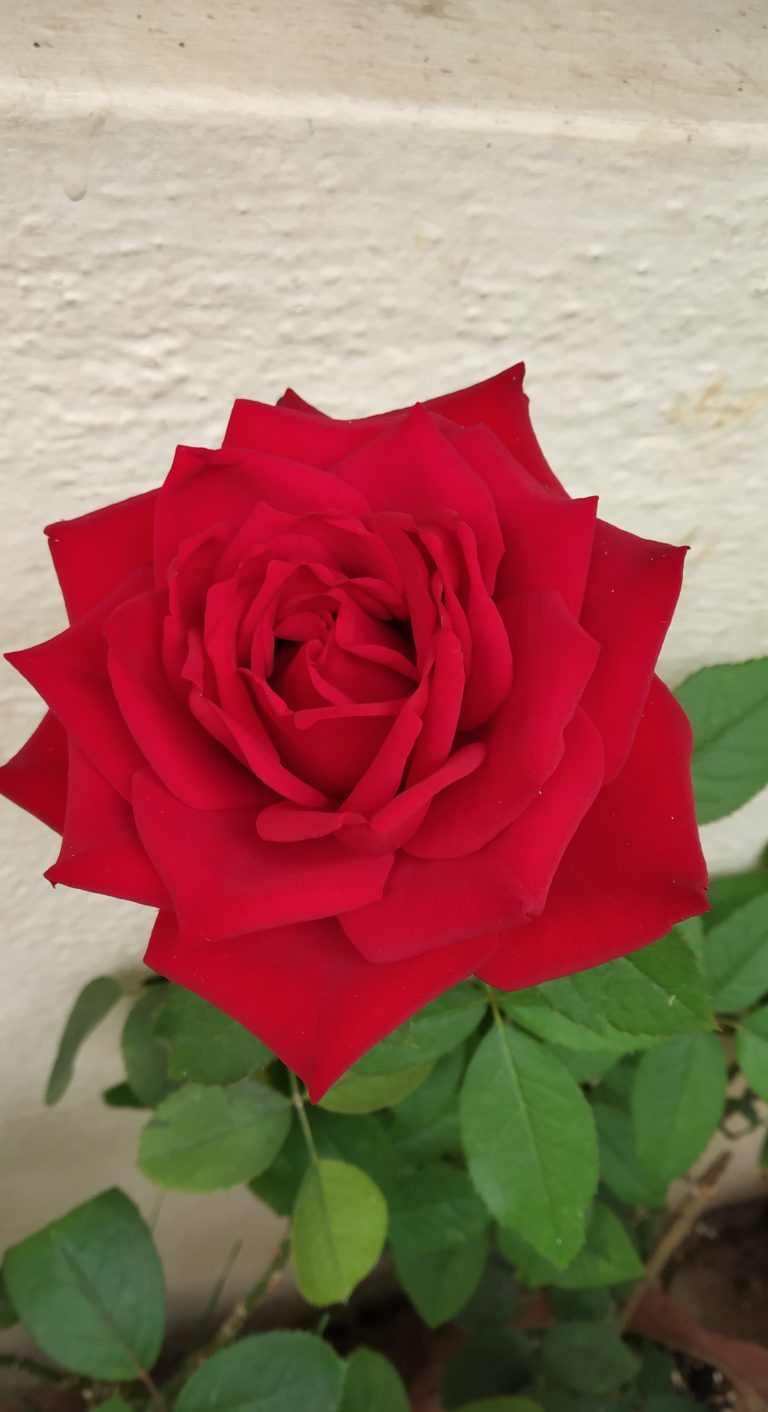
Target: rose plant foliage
365, 708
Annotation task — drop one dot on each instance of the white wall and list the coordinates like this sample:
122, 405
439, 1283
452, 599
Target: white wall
375, 202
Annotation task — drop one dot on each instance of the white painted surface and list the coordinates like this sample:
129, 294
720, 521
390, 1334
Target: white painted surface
375, 202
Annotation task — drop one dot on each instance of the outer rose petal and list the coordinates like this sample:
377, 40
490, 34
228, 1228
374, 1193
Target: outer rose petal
299, 435
101, 850
632, 590
36, 777
499, 403
94, 553
634, 868
70, 672
307, 993
224, 880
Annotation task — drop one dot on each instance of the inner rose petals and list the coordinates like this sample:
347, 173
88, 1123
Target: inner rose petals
554, 659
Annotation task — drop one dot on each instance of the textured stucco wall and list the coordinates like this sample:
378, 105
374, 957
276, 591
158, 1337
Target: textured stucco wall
196, 207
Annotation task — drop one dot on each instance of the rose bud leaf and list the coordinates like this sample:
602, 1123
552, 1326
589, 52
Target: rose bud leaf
203, 1138
530, 1141
338, 1230
103, 1317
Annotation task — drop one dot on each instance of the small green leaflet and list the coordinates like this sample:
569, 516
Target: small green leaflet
276, 1372
736, 957
145, 1054
435, 1209
206, 1046
752, 1051
373, 1385
204, 1138
440, 1282
732, 890
357, 1092
607, 1256
89, 1289
677, 1102
432, 1098
728, 709
530, 1141
429, 1034
93, 1004
620, 1166
589, 1357
8, 1315
492, 1363
338, 1230
623, 1005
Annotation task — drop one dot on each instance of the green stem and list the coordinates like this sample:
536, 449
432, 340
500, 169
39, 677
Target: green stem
298, 1103
494, 1004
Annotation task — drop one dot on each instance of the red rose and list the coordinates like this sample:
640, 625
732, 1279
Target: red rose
365, 708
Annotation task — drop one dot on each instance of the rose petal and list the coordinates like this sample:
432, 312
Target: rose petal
441, 714
308, 438
35, 778
634, 868
204, 488
70, 673
548, 538
101, 850
412, 467
632, 590
429, 904
94, 553
225, 880
307, 993
553, 660
189, 761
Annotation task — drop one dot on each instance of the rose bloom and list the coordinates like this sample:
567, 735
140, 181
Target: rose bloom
365, 708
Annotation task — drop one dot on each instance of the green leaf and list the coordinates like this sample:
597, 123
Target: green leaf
145, 1053
440, 1282
496, 1299
432, 1098
502, 1404
8, 1315
677, 1102
435, 1209
275, 1372
121, 1096
357, 1092
492, 1363
622, 1005
736, 956
207, 1047
440, 1139
620, 1166
732, 890
360, 1140
429, 1034
115, 1403
279, 1183
607, 1257
588, 1357
203, 1138
728, 709
584, 1067
752, 1050
373, 1385
93, 1004
338, 1232
530, 1141
89, 1289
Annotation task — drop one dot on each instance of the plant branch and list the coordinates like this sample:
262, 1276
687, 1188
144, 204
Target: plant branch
680, 1226
298, 1103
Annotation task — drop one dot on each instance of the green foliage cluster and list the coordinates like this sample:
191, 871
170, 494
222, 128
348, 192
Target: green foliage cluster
496, 1145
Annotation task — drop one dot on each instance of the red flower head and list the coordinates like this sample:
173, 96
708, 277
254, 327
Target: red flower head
365, 708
